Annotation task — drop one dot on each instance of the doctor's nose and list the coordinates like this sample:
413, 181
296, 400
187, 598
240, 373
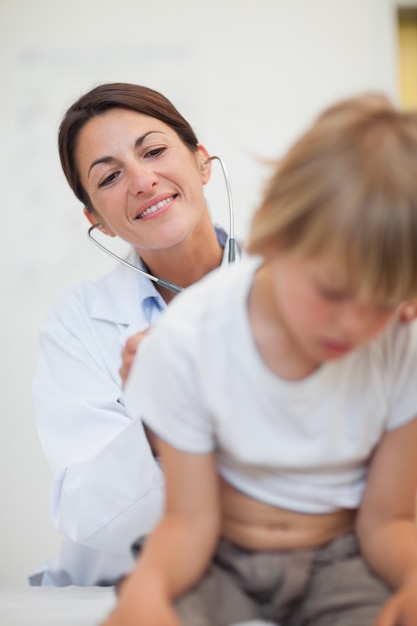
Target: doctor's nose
141, 179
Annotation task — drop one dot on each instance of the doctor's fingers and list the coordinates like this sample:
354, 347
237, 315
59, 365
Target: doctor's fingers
129, 353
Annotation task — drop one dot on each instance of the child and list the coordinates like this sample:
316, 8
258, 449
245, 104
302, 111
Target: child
284, 395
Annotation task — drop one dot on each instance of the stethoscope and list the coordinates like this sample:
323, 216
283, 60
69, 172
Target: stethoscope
161, 281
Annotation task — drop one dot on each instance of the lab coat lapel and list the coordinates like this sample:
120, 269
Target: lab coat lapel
115, 303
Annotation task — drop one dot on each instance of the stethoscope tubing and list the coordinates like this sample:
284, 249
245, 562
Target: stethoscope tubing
160, 281
232, 241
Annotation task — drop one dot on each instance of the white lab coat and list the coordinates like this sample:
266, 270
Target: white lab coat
107, 486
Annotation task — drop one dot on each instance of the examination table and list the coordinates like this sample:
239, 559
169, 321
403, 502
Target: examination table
59, 606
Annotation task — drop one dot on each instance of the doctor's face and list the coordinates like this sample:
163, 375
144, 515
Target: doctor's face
145, 184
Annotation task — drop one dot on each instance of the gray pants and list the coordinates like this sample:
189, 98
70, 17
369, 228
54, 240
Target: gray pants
329, 586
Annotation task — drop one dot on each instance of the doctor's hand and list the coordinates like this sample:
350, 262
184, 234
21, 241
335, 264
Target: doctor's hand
408, 311
129, 353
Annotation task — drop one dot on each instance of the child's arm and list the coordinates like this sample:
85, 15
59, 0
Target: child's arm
179, 550
386, 523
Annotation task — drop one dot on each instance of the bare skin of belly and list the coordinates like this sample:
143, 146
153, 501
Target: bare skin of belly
255, 525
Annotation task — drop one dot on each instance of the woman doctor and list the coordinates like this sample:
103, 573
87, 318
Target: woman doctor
137, 167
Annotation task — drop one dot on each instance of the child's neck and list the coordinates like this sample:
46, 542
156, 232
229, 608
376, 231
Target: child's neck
276, 347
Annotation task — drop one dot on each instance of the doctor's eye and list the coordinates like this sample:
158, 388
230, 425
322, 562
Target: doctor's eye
155, 152
109, 179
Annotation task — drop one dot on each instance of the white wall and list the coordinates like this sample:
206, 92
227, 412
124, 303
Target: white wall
248, 76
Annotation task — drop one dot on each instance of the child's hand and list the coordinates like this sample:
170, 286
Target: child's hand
141, 604
401, 608
140, 611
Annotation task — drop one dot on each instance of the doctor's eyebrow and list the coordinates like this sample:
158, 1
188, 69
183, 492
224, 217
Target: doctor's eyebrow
108, 159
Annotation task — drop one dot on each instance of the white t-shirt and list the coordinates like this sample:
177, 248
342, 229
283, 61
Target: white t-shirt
200, 383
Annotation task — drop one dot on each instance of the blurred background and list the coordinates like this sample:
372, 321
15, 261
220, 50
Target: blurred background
248, 75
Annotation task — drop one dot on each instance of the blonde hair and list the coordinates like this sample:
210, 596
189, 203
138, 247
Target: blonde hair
349, 187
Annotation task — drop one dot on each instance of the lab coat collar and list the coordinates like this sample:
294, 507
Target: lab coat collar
113, 299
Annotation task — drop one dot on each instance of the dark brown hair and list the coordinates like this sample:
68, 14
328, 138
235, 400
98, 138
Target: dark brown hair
103, 98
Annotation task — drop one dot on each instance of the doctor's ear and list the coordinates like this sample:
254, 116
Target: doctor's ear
92, 218
205, 165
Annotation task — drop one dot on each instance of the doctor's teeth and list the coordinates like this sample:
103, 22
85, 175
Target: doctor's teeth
156, 206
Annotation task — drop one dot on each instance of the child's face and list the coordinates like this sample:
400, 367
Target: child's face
320, 313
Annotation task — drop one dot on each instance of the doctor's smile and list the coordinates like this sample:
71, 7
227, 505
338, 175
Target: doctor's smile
155, 209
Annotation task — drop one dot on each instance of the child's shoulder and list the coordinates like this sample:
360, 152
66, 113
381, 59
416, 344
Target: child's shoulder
219, 287
209, 305
398, 339
397, 354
